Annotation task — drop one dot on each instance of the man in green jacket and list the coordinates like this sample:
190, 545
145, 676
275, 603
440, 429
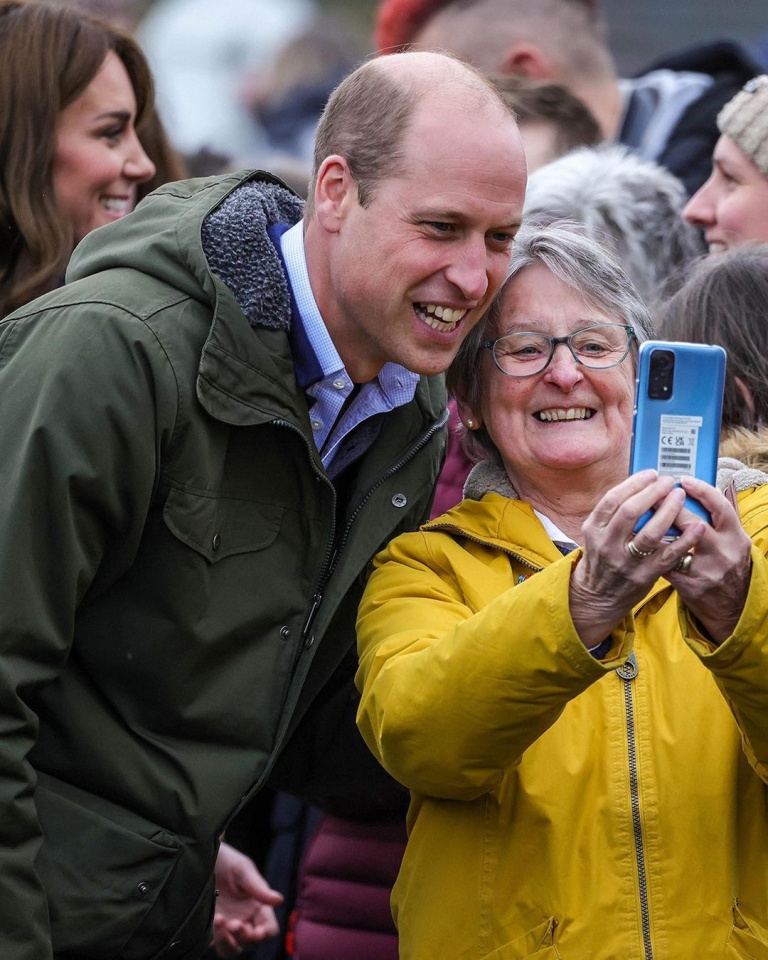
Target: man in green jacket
205, 436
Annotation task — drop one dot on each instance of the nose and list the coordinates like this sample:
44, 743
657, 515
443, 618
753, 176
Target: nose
468, 270
700, 209
137, 166
564, 370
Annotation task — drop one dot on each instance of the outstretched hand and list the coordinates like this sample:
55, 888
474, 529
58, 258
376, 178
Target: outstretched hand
611, 579
245, 906
715, 587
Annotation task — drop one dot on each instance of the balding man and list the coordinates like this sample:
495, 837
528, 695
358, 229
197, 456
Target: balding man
667, 114
206, 435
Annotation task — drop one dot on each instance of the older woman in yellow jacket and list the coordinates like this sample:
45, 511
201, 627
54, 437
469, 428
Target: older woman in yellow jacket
584, 733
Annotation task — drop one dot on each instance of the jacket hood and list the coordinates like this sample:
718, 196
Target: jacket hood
492, 513
719, 59
195, 234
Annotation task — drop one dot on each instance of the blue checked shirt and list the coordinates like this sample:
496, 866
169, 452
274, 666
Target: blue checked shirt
393, 387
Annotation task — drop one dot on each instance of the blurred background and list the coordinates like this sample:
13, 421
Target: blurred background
641, 30
241, 82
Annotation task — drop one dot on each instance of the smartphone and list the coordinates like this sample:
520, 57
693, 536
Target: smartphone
678, 410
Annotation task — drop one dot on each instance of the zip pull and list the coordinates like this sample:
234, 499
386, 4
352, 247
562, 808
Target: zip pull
316, 601
628, 670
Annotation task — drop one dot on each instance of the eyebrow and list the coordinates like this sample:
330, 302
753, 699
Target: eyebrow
461, 216
124, 115
532, 326
725, 165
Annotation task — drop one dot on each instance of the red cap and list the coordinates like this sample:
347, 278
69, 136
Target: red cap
398, 22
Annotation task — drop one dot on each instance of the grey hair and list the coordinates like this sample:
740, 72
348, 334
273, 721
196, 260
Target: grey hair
633, 204
581, 262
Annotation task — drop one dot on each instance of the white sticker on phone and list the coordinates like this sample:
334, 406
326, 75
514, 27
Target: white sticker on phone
678, 440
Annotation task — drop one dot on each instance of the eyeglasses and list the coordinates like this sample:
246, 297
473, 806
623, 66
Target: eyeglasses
526, 353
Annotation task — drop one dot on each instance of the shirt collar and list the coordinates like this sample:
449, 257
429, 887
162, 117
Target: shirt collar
392, 376
292, 247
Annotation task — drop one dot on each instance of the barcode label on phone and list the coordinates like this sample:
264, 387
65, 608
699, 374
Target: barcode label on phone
678, 440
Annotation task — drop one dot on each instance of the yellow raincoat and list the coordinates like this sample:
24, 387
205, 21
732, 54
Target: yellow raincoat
564, 807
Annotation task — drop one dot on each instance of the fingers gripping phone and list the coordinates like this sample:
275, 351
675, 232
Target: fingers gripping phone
678, 410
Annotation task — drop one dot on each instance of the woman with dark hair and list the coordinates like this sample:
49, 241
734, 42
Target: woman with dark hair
75, 92
723, 302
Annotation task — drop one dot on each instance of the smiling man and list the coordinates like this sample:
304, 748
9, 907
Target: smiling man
206, 435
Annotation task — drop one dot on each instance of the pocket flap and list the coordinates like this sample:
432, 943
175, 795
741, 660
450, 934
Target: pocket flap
218, 527
102, 867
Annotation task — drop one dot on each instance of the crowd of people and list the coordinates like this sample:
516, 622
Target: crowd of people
328, 630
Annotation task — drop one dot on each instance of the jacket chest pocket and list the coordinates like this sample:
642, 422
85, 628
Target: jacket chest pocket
220, 527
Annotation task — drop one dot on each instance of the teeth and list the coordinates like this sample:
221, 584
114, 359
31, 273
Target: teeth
717, 248
572, 413
115, 205
439, 318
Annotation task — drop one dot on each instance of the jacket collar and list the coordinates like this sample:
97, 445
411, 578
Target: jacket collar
246, 371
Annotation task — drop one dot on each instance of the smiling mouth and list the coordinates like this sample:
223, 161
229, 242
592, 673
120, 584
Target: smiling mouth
558, 413
118, 205
444, 319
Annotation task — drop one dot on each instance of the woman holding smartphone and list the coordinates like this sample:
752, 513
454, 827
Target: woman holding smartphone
579, 711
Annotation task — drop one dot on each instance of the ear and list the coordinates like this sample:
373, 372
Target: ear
335, 193
528, 60
468, 415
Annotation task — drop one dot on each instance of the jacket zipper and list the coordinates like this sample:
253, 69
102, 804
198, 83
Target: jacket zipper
329, 561
335, 550
419, 445
627, 672
330, 552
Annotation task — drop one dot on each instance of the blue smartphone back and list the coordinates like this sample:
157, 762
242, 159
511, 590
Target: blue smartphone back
677, 417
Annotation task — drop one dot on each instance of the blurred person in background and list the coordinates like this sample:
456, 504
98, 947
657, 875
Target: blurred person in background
723, 301
666, 114
201, 52
288, 97
731, 208
552, 121
633, 205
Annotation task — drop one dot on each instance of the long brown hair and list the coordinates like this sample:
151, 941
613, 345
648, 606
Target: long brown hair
48, 56
725, 301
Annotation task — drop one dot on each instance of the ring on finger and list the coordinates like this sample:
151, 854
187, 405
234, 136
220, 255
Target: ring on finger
634, 551
683, 565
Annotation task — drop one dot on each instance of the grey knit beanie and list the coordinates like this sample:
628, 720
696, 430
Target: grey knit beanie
745, 120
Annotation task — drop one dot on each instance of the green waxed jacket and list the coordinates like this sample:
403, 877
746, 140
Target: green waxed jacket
177, 580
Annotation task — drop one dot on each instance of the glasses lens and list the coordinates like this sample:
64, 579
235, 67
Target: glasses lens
522, 354
601, 345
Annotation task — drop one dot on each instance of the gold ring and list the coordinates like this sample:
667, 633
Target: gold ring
684, 563
637, 554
